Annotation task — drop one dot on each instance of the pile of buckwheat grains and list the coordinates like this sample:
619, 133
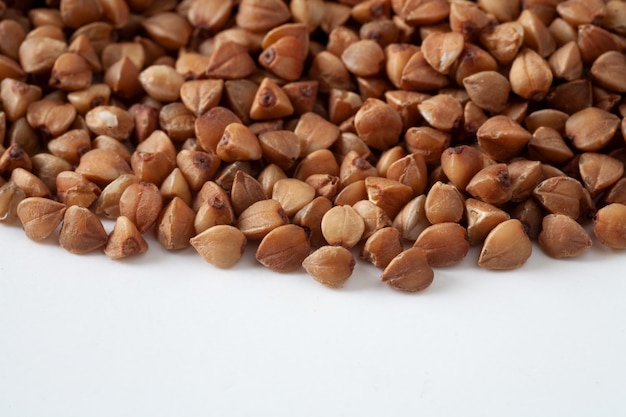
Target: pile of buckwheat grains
315, 129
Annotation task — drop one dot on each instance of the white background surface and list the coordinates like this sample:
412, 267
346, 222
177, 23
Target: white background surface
167, 334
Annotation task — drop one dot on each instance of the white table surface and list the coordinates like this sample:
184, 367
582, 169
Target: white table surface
166, 334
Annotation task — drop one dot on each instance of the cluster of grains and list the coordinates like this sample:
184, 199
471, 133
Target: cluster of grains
403, 130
